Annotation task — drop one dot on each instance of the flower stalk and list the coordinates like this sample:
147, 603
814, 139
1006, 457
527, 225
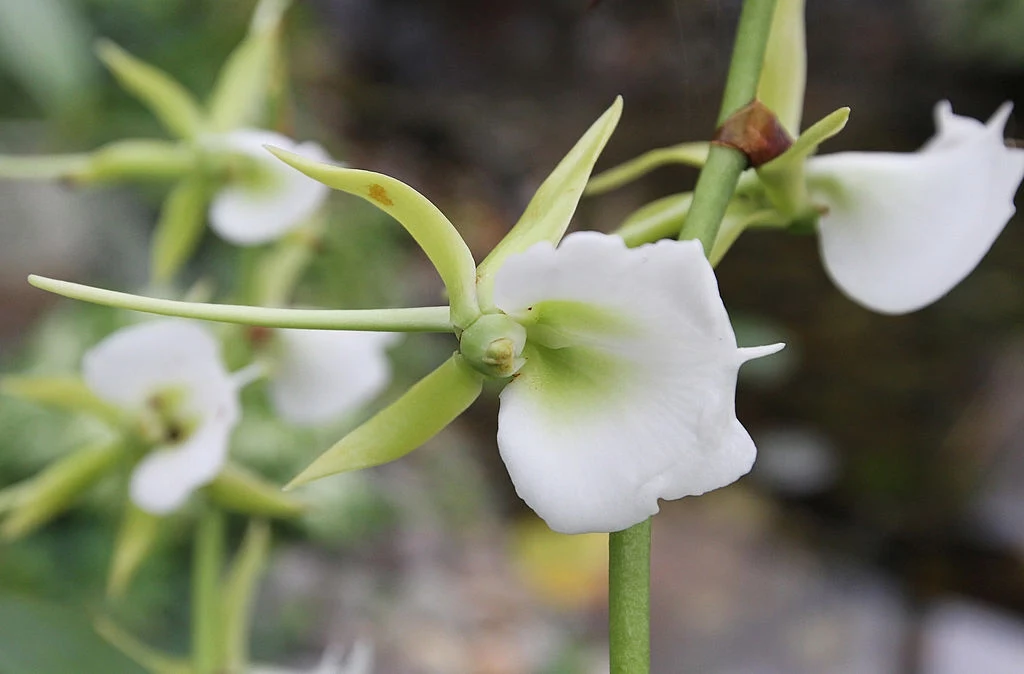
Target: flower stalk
629, 599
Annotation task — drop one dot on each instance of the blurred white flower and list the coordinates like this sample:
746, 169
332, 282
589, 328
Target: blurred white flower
903, 229
168, 374
359, 661
627, 391
273, 199
319, 375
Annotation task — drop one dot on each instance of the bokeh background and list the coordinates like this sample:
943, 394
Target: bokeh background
882, 529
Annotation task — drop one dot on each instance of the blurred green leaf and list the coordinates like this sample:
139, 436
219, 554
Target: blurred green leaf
181, 225
42, 638
138, 533
69, 393
239, 594
152, 660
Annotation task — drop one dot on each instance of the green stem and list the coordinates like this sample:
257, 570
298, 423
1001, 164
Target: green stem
207, 565
718, 178
416, 319
629, 599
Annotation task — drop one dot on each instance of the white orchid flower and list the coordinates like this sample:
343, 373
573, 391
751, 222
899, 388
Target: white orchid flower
901, 230
271, 198
170, 376
320, 375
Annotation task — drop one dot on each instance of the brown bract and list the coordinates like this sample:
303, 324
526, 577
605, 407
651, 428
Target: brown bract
755, 131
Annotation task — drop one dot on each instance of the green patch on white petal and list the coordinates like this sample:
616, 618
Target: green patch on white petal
559, 323
575, 382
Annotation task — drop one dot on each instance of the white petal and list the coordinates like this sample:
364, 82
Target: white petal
134, 363
248, 216
322, 374
636, 402
903, 229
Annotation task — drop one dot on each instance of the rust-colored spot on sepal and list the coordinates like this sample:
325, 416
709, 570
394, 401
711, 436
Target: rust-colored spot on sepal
755, 131
380, 195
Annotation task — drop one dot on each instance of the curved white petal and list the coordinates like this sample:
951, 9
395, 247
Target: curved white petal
129, 367
250, 215
903, 229
627, 392
321, 374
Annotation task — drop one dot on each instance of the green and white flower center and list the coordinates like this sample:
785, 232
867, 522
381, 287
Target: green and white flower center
167, 417
493, 345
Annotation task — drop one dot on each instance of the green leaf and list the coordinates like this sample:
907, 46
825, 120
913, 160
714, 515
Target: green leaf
163, 95
659, 219
239, 595
38, 637
138, 533
784, 74
240, 97
420, 414
152, 660
69, 393
688, 154
428, 226
180, 227
415, 319
548, 214
53, 490
242, 491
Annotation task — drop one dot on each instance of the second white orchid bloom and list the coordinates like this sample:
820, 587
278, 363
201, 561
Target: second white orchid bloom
901, 230
169, 375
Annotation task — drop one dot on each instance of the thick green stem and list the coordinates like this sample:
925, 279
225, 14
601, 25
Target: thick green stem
629, 599
718, 178
207, 565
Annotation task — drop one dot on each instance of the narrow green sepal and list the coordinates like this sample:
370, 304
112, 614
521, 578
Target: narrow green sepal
783, 178
241, 95
136, 159
68, 393
52, 491
239, 595
687, 154
660, 219
239, 490
548, 214
42, 167
411, 319
435, 234
138, 533
784, 74
420, 414
180, 227
162, 94
147, 657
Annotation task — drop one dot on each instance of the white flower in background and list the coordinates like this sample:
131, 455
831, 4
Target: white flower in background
169, 374
627, 391
903, 229
319, 375
273, 199
359, 661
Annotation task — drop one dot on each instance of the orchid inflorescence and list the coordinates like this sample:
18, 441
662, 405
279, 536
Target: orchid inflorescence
616, 357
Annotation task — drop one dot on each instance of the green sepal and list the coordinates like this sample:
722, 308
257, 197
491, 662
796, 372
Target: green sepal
68, 393
784, 74
420, 414
138, 533
52, 491
548, 214
783, 177
434, 233
42, 167
147, 657
239, 594
687, 154
660, 219
162, 94
239, 490
180, 227
242, 91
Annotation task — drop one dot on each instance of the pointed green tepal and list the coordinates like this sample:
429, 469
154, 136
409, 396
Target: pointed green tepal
241, 491
69, 393
687, 154
407, 423
784, 75
548, 214
180, 227
162, 94
660, 219
136, 537
244, 85
435, 234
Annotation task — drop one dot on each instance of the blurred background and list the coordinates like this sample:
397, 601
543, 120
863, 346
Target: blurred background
882, 529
